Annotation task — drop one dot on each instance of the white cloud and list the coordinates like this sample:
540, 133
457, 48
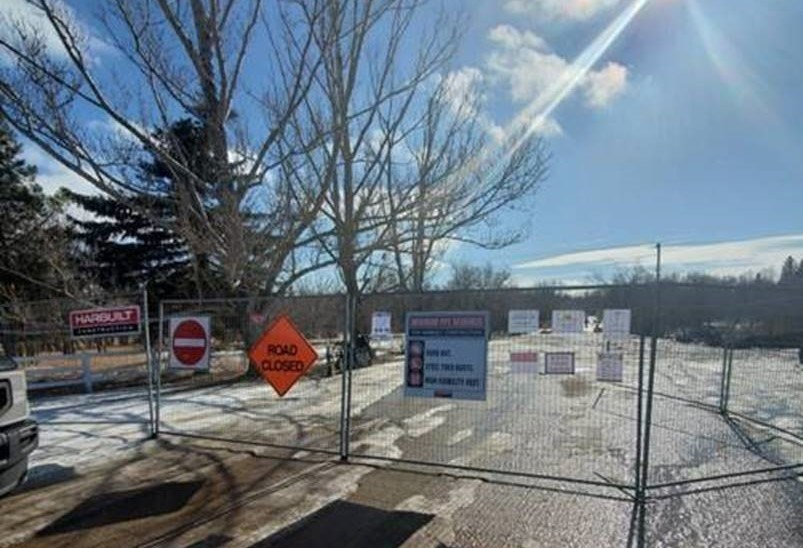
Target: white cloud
548, 127
465, 93
573, 10
463, 89
31, 18
51, 175
720, 258
510, 37
525, 63
521, 59
601, 87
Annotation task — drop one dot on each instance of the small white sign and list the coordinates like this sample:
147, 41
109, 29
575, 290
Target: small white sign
616, 323
525, 362
380, 325
568, 321
559, 363
190, 343
522, 321
610, 366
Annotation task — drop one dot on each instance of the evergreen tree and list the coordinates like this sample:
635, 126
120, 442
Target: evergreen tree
31, 240
126, 249
789, 271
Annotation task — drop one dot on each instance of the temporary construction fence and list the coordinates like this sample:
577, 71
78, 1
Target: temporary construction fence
38, 335
709, 394
230, 401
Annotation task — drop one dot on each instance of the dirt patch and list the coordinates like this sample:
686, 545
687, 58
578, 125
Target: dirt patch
576, 387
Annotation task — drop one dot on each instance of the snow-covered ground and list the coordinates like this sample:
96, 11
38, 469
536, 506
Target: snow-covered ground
571, 426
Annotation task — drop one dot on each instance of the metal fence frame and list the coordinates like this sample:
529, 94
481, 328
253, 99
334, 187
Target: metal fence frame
57, 326
642, 489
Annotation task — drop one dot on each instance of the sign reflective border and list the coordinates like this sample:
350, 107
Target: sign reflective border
282, 355
105, 322
190, 343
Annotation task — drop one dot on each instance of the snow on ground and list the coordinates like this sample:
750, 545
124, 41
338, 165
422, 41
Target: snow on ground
530, 422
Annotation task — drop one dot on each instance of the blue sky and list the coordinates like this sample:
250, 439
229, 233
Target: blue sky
701, 144
685, 130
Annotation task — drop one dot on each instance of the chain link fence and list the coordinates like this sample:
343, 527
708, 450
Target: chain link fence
709, 393
531, 422
709, 387
726, 399
230, 400
63, 369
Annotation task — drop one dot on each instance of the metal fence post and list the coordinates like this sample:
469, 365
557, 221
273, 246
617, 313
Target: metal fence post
157, 371
86, 371
639, 416
723, 380
350, 354
645, 461
148, 359
343, 388
727, 392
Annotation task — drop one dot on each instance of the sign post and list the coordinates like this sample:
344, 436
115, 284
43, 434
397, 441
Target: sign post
282, 355
446, 355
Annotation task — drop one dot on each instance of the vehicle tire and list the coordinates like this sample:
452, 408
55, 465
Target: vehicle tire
13, 477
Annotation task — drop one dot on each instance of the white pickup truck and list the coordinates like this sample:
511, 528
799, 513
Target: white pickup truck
19, 434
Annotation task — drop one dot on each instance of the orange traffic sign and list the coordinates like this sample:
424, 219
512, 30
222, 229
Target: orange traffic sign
282, 355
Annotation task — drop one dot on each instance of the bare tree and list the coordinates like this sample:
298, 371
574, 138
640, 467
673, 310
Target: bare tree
467, 276
462, 180
375, 63
177, 60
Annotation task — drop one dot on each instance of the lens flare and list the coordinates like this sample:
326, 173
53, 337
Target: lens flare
740, 81
534, 116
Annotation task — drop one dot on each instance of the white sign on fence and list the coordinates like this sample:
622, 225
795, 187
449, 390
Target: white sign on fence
446, 354
380, 325
610, 366
616, 323
522, 321
568, 321
190, 343
559, 363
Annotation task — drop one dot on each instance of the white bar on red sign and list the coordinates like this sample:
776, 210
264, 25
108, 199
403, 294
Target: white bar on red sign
194, 343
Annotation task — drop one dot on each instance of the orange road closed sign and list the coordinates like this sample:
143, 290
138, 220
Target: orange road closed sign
282, 355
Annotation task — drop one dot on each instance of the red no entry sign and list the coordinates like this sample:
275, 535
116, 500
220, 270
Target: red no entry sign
189, 343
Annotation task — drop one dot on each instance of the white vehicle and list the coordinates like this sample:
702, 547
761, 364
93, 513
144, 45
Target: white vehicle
19, 435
